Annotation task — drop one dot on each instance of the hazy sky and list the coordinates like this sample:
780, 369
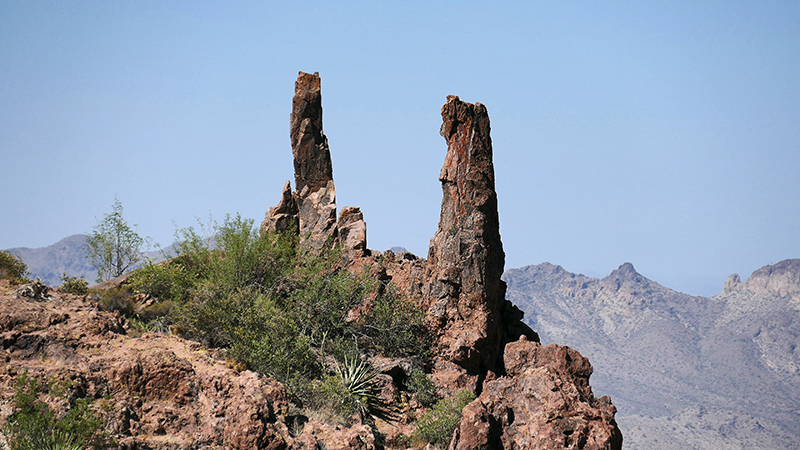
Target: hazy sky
666, 134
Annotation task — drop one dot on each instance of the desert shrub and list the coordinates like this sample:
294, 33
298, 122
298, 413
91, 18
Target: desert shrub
422, 388
13, 268
33, 426
395, 326
120, 298
278, 311
437, 425
74, 285
169, 280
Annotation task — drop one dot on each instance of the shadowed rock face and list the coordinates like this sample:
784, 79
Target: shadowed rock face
312, 208
312, 157
466, 255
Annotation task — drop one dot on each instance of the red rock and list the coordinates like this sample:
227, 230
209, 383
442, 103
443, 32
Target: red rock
544, 402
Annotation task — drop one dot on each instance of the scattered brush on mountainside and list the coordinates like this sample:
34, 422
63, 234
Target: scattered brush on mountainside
277, 310
33, 426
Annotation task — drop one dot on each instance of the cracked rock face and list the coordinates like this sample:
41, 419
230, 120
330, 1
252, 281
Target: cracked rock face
312, 207
544, 402
466, 256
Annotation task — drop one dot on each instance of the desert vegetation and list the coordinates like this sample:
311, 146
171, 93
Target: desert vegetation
13, 268
295, 316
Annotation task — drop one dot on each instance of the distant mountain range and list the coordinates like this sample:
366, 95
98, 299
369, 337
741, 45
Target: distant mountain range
683, 371
65, 256
49, 263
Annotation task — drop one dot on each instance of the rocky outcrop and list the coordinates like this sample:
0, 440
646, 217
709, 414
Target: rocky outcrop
466, 255
544, 402
782, 278
283, 216
353, 229
164, 392
315, 196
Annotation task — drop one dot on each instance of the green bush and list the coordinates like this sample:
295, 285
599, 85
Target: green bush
438, 425
422, 388
33, 426
13, 268
278, 311
395, 326
169, 280
120, 298
74, 285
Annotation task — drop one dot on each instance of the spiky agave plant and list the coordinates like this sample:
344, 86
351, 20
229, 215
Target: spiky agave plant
358, 378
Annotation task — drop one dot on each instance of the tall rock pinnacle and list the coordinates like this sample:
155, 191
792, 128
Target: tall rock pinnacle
312, 157
466, 256
314, 201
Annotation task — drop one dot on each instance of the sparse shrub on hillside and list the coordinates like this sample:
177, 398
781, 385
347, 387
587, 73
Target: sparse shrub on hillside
394, 326
438, 425
74, 285
422, 388
33, 426
278, 311
169, 280
13, 268
113, 246
120, 299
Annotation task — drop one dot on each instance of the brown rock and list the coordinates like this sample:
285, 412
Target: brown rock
313, 171
352, 229
466, 257
545, 402
283, 216
312, 157
166, 392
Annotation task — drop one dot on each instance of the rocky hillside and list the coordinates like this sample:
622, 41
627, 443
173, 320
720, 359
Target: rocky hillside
684, 371
167, 392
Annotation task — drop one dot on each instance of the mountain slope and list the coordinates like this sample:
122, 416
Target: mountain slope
49, 263
721, 372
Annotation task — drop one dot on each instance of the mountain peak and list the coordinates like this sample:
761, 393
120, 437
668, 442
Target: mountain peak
625, 272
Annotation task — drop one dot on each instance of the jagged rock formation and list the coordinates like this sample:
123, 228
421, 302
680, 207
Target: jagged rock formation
315, 198
283, 216
466, 255
461, 290
353, 229
684, 371
544, 402
529, 396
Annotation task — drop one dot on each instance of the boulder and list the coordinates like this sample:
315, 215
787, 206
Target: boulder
544, 402
352, 229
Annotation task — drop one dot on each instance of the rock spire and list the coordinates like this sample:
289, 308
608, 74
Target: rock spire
311, 209
466, 255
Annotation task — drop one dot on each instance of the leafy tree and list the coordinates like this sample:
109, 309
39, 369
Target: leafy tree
13, 268
113, 246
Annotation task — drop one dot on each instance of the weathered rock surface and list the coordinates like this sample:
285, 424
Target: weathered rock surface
352, 229
283, 216
165, 392
544, 402
466, 255
315, 197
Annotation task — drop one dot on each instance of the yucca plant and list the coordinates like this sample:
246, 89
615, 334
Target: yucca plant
358, 378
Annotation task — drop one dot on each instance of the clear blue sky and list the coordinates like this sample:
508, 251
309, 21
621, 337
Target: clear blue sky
666, 134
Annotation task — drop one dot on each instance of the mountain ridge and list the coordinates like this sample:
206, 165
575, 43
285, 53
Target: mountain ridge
660, 353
